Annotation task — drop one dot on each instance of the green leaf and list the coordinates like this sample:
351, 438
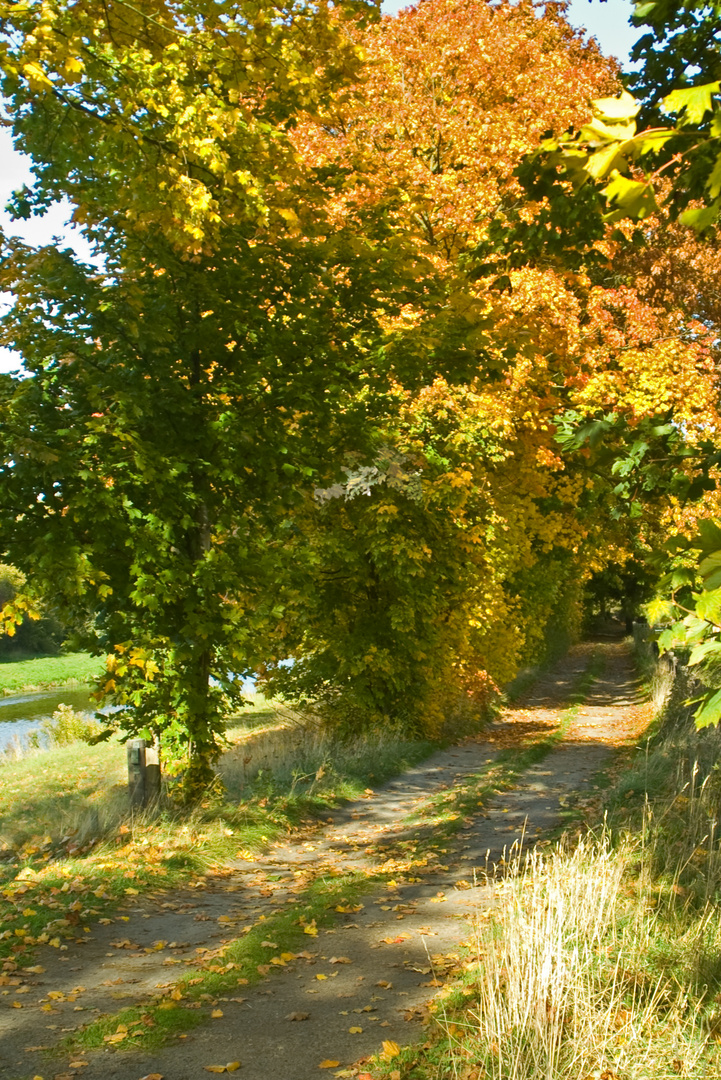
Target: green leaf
624, 107
703, 218
700, 652
709, 712
694, 102
644, 8
710, 570
708, 606
714, 181
633, 198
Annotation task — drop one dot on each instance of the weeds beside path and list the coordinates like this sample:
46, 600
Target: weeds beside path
336, 943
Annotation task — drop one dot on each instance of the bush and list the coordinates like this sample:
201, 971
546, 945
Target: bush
65, 726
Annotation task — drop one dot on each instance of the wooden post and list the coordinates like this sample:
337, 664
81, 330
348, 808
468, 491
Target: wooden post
143, 772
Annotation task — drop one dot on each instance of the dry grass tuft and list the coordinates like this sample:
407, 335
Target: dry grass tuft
567, 984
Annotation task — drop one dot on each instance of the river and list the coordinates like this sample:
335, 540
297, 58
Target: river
22, 713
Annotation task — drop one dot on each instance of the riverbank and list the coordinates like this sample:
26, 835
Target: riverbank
48, 673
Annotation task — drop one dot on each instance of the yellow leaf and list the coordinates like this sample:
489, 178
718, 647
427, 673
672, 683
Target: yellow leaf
390, 1049
216, 1014
215, 1068
328, 1064
355, 1030
176, 995
311, 929
132, 892
38, 80
232, 1066
321, 977
116, 1038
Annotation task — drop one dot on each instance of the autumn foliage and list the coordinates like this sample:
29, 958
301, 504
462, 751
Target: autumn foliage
316, 402
428, 599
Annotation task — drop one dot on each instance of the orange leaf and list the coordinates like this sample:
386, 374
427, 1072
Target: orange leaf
329, 1064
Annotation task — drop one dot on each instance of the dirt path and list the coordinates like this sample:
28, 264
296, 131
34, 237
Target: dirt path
369, 977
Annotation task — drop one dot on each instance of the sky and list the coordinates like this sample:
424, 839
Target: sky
607, 20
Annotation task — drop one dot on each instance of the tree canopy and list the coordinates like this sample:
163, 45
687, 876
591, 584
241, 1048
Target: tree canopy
366, 373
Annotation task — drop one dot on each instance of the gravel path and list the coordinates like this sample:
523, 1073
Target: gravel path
370, 977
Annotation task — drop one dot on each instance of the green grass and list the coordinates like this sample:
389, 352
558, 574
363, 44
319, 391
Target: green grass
48, 672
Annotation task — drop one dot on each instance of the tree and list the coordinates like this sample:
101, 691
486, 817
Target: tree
441, 569
651, 183
530, 354
180, 392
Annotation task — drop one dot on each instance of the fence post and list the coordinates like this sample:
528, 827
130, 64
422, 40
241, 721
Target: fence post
143, 772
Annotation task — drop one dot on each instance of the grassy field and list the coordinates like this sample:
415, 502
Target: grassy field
47, 672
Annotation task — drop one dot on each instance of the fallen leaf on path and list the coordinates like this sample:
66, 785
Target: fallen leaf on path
297, 1016
151, 1076
355, 1030
390, 1050
340, 960
385, 984
320, 978
328, 1064
217, 1013
232, 1066
82, 1064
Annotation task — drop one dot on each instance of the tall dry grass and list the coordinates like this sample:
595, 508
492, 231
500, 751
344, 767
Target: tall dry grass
568, 984
602, 957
